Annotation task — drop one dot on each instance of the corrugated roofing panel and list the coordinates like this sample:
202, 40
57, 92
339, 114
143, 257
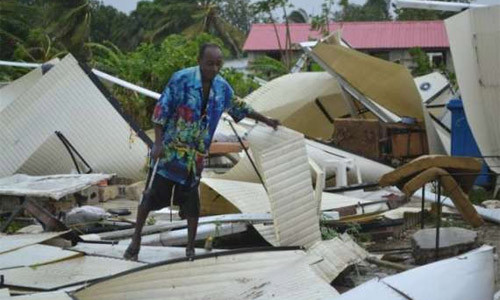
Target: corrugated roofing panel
360, 35
17, 241
14, 89
34, 255
282, 158
292, 98
148, 254
475, 45
258, 275
58, 295
68, 272
65, 99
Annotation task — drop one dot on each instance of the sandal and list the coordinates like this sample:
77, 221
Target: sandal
132, 253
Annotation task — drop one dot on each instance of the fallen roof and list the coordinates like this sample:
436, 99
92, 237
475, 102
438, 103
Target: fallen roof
254, 274
17, 241
34, 255
388, 84
70, 99
306, 102
281, 158
475, 44
465, 277
66, 273
52, 186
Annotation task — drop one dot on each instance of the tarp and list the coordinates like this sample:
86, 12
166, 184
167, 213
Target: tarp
475, 43
70, 99
388, 84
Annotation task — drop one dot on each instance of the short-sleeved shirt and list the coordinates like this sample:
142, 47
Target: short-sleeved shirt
188, 130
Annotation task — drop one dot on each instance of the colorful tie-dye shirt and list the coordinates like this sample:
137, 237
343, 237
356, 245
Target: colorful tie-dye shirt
188, 131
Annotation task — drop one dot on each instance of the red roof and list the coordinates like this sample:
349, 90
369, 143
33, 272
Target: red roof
360, 35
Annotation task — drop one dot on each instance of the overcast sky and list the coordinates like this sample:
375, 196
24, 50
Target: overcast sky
311, 6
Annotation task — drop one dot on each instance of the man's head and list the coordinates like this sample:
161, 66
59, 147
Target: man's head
210, 61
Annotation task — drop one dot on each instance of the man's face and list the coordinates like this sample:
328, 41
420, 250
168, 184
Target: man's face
210, 63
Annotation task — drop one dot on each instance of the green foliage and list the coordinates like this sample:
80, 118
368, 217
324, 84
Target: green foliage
268, 68
151, 66
328, 233
422, 61
412, 14
238, 14
322, 21
372, 10
242, 84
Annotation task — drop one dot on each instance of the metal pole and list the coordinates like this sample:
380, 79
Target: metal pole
422, 211
438, 223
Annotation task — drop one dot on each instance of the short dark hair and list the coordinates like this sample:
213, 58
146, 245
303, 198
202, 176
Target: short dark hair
205, 46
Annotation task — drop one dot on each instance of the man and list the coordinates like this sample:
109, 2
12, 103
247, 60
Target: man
185, 119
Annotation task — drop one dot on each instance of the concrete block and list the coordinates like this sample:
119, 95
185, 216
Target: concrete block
134, 191
452, 241
108, 192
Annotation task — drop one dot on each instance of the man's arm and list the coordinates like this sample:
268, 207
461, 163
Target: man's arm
261, 118
157, 151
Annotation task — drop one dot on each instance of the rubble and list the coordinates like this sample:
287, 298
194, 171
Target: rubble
452, 242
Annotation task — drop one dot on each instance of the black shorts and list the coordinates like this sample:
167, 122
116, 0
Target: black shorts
185, 196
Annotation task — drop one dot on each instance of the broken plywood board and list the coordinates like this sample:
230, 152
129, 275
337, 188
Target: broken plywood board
337, 254
473, 278
230, 275
148, 254
69, 272
475, 43
34, 255
281, 157
17, 241
52, 186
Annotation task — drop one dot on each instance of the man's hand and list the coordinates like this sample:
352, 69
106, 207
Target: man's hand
272, 123
157, 151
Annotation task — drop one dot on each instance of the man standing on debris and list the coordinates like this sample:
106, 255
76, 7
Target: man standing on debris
185, 119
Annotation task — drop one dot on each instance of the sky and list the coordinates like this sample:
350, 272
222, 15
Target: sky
311, 6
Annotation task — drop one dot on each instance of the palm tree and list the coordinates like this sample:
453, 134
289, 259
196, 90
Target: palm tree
70, 24
194, 17
298, 16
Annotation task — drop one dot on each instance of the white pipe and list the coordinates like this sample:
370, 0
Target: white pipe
98, 73
435, 5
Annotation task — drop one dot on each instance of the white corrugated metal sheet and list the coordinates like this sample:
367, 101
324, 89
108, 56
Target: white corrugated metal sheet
292, 98
282, 158
34, 255
53, 186
465, 277
17, 241
65, 99
148, 254
257, 275
14, 89
58, 295
68, 272
475, 43
337, 254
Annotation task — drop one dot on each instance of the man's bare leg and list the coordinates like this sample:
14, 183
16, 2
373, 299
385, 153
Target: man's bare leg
134, 247
192, 228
